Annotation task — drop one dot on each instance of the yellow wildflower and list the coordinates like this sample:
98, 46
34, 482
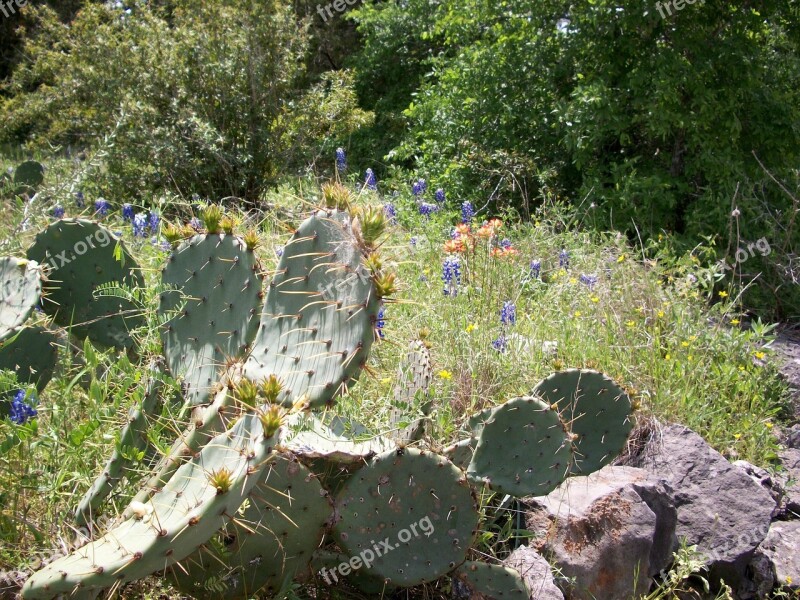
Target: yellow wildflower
630, 323
723, 294
736, 436
621, 258
446, 375
735, 321
685, 344
661, 314
471, 327
572, 280
760, 355
578, 313
595, 299
769, 425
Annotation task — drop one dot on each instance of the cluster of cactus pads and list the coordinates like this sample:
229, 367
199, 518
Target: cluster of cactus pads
259, 491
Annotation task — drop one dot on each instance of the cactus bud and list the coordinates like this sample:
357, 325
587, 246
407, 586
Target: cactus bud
227, 224
385, 285
374, 263
335, 195
221, 479
271, 421
251, 240
173, 234
247, 393
212, 216
372, 221
271, 388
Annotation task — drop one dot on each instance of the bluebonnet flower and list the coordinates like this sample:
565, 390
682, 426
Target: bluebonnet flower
440, 196
101, 206
500, 344
413, 242
419, 187
427, 209
80, 201
139, 224
371, 181
341, 160
391, 212
536, 269
127, 212
196, 224
58, 211
467, 211
279, 251
381, 323
563, 259
21, 412
506, 244
589, 280
508, 314
451, 275
154, 220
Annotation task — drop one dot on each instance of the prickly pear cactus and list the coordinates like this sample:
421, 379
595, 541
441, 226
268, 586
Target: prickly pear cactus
21, 282
307, 437
32, 353
82, 255
29, 174
595, 409
409, 516
523, 449
214, 296
318, 322
133, 436
411, 395
493, 582
202, 496
273, 537
460, 453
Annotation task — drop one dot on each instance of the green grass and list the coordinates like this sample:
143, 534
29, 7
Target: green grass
655, 322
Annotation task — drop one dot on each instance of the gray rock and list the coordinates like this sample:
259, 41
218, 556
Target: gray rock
790, 479
609, 533
763, 478
721, 509
536, 573
782, 548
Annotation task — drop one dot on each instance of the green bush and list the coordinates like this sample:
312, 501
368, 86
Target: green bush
207, 98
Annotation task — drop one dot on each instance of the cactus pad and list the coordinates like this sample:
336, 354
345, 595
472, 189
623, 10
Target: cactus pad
273, 536
215, 288
318, 321
32, 353
411, 395
409, 515
595, 409
176, 521
82, 255
21, 288
309, 438
523, 449
460, 453
29, 174
493, 582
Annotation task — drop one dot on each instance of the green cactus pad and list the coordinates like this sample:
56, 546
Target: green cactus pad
461, 453
493, 582
410, 514
308, 438
324, 567
134, 436
411, 395
215, 285
21, 289
273, 537
32, 353
29, 174
595, 409
82, 255
523, 449
477, 421
319, 318
172, 525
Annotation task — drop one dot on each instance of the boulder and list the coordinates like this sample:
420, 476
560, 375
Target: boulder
536, 573
790, 459
763, 478
609, 533
782, 549
721, 509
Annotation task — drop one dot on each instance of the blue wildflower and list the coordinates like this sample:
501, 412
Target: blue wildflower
154, 220
371, 181
467, 211
279, 251
80, 201
508, 314
536, 269
440, 196
589, 280
413, 241
563, 259
196, 224
426, 209
58, 211
500, 344
419, 187
127, 213
451, 275
21, 412
341, 160
505, 244
139, 224
391, 212
101, 206
381, 323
